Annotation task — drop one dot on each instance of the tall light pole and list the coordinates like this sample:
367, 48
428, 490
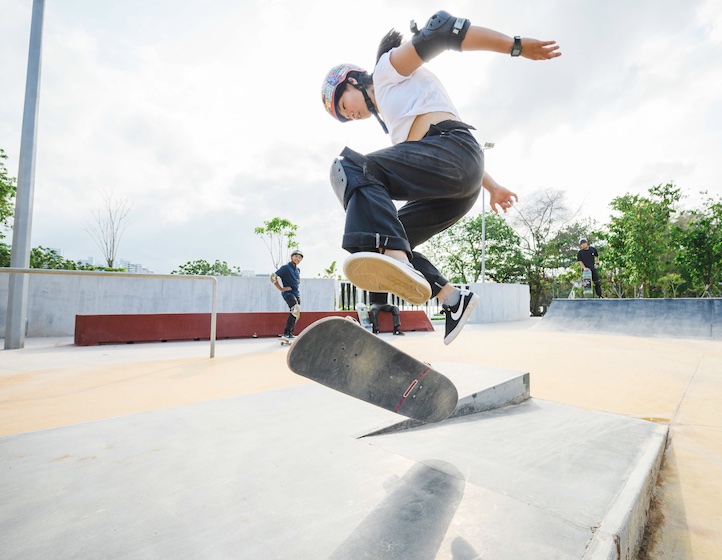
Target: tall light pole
487, 146
18, 283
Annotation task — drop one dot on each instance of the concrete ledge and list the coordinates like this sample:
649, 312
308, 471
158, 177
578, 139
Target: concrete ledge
620, 534
161, 327
480, 389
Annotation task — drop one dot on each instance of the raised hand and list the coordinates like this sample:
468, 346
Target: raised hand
533, 49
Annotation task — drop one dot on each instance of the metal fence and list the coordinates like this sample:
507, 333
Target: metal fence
212, 279
349, 295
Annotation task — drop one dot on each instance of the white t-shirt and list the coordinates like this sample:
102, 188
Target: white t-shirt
401, 99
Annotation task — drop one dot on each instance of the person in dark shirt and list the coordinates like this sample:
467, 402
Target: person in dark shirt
589, 260
290, 276
380, 302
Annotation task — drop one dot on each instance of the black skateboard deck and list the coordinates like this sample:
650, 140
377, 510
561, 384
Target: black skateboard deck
342, 355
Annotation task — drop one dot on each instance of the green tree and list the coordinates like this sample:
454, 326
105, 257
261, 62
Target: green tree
7, 207
330, 272
567, 282
504, 257
639, 236
700, 247
5, 252
670, 283
457, 251
204, 268
8, 189
279, 235
42, 257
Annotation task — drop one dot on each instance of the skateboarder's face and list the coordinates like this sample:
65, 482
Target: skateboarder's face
585, 245
351, 104
295, 259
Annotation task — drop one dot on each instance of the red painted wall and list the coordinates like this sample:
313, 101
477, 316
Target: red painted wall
155, 327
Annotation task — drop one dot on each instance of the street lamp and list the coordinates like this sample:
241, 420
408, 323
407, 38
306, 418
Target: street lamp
487, 146
18, 283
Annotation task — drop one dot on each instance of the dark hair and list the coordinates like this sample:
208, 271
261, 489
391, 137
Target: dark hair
390, 41
360, 77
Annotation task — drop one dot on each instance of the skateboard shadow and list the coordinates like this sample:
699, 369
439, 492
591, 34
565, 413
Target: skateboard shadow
462, 550
412, 520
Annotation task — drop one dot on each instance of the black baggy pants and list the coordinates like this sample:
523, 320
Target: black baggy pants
440, 177
374, 314
291, 301
597, 282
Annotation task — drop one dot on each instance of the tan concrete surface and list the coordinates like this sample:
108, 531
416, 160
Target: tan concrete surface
675, 381
49, 397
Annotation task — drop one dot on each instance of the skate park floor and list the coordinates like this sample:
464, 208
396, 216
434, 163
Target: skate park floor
157, 451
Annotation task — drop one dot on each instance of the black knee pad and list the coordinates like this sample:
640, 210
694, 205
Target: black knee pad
345, 181
339, 181
442, 32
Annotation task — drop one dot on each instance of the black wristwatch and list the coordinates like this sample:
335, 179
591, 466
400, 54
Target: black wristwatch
516, 49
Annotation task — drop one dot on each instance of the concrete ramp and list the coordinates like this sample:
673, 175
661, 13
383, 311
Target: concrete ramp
285, 475
680, 318
479, 390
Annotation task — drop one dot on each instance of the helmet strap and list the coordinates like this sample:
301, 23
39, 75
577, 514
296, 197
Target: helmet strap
370, 105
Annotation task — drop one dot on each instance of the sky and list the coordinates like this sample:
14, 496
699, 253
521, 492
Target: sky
207, 115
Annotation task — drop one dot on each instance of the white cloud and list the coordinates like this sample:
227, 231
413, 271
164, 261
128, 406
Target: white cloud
207, 116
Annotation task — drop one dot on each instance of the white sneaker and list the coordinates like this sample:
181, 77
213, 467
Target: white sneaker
375, 272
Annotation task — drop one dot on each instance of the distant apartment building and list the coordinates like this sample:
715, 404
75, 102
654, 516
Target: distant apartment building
134, 268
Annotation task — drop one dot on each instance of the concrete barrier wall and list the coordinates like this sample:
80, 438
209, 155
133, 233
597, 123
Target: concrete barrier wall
54, 301
500, 303
680, 317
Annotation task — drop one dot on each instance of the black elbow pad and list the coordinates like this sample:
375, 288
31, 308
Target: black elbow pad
442, 32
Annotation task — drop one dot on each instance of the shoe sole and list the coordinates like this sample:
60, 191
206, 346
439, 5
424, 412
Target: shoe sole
378, 273
464, 317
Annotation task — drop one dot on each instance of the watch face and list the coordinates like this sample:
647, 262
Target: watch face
516, 49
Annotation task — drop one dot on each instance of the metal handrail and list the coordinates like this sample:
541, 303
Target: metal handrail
349, 295
213, 279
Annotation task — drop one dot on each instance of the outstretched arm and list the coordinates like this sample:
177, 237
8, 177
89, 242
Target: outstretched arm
483, 39
405, 59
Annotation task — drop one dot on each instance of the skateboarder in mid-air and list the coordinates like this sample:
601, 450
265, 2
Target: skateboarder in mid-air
290, 276
435, 163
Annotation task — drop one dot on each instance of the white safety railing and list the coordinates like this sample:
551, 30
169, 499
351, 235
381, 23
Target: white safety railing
212, 279
349, 295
